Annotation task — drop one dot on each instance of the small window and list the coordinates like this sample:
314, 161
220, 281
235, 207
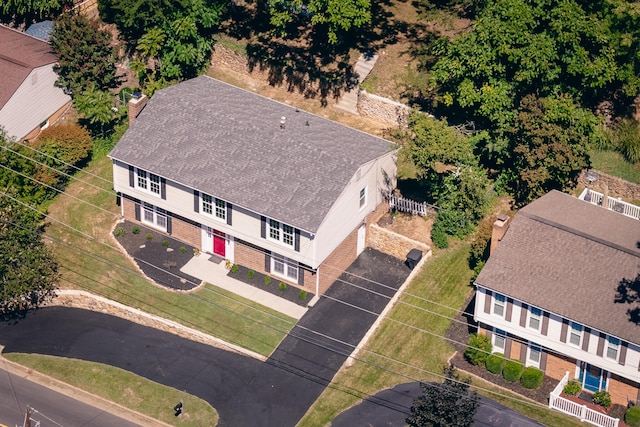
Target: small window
154, 216
575, 337
214, 207
363, 197
613, 344
534, 355
284, 267
274, 229
221, 209
499, 341
207, 204
281, 232
534, 318
498, 305
148, 182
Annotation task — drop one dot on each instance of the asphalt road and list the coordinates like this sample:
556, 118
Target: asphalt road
52, 409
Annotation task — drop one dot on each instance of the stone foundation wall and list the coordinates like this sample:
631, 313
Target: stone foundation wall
383, 109
618, 187
87, 301
394, 244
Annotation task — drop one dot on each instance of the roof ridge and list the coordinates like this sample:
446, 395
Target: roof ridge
580, 233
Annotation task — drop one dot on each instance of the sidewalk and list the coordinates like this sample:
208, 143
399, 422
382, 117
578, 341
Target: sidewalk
216, 274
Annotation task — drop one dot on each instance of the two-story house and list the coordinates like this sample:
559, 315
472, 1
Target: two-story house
29, 99
254, 181
548, 293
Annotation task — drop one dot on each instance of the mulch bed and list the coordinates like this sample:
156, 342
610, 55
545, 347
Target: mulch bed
291, 293
159, 256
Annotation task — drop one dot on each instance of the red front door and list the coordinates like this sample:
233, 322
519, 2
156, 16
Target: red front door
218, 243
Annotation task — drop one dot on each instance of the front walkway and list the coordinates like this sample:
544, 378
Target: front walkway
213, 272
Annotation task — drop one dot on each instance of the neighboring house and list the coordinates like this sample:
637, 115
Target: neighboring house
40, 30
547, 294
254, 181
29, 100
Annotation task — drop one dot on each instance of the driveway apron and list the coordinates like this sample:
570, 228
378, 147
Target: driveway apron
245, 391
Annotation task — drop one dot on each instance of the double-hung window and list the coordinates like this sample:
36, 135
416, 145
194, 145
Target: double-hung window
534, 355
575, 336
280, 232
148, 182
499, 340
534, 318
613, 345
284, 267
498, 305
154, 216
214, 207
363, 197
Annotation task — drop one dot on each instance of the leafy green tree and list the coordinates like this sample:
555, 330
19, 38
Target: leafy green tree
86, 57
97, 108
549, 143
333, 17
28, 271
172, 39
25, 11
450, 404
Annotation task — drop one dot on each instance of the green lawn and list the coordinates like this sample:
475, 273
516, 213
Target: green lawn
95, 266
124, 388
613, 163
398, 353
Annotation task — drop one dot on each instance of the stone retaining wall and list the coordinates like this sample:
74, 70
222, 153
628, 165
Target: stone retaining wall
88, 301
394, 244
383, 109
618, 187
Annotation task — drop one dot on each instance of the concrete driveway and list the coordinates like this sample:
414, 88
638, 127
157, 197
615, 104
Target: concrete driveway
245, 392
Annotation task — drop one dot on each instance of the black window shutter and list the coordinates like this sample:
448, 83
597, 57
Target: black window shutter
296, 240
137, 210
118, 199
196, 200
169, 224
267, 262
229, 211
132, 177
300, 275
163, 189
263, 227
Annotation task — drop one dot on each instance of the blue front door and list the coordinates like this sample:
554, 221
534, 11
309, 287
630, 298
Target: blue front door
593, 378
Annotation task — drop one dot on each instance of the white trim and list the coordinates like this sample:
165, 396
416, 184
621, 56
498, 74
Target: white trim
362, 198
153, 216
498, 333
570, 331
148, 179
213, 207
279, 231
497, 302
534, 318
284, 267
532, 349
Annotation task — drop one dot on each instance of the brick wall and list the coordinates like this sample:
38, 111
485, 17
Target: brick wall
622, 390
558, 364
338, 261
516, 350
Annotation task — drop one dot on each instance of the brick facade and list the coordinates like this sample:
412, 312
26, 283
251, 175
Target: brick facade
623, 390
558, 364
338, 261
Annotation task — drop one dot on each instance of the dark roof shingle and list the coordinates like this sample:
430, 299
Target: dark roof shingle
568, 257
228, 142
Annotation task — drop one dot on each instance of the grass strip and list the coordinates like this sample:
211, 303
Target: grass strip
124, 388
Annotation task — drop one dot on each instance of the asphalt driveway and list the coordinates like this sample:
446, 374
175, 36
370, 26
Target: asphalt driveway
245, 392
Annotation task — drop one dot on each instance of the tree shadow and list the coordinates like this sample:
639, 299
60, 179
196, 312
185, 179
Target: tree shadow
628, 292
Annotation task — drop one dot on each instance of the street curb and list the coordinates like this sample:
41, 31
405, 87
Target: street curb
78, 394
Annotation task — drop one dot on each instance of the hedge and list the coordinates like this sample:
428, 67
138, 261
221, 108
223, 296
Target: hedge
495, 363
512, 370
632, 416
478, 349
531, 378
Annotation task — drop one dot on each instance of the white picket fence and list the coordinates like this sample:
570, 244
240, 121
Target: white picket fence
402, 204
577, 410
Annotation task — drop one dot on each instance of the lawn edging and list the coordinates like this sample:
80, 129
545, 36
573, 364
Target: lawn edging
77, 393
88, 301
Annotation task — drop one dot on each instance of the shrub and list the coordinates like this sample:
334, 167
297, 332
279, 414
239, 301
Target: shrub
602, 398
512, 371
135, 230
632, 416
267, 280
182, 250
251, 274
282, 286
531, 378
302, 295
478, 349
118, 232
165, 243
628, 140
149, 236
573, 388
234, 268
439, 235
70, 143
495, 363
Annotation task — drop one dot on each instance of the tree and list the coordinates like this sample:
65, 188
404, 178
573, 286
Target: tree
25, 11
28, 271
85, 56
548, 143
173, 40
332, 17
97, 108
450, 404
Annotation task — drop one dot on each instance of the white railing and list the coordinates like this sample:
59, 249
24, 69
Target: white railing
402, 204
613, 204
576, 409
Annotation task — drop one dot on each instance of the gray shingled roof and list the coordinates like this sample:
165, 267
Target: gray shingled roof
227, 142
568, 257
